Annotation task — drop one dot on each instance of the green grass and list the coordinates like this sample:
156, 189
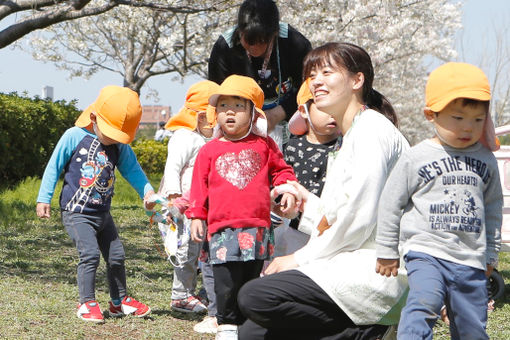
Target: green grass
38, 271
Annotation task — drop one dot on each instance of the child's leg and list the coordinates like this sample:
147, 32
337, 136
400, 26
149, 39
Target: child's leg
208, 280
228, 279
467, 303
83, 231
185, 273
114, 256
427, 292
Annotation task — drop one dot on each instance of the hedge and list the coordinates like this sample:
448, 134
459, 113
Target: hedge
151, 154
30, 129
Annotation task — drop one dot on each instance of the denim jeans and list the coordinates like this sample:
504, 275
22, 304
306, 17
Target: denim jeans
94, 235
434, 282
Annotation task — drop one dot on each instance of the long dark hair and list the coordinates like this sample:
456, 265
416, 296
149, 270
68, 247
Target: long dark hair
258, 21
354, 59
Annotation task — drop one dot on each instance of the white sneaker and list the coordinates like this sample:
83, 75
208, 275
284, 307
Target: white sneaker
226, 332
208, 325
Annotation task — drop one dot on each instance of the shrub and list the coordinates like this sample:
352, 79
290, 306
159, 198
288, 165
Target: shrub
151, 155
30, 130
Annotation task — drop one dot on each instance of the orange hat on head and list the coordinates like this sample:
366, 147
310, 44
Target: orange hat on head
244, 87
118, 112
460, 80
197, 100
239, 86
297, 124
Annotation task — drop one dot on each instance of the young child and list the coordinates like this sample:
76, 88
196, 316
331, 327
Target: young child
231, 191
444, 200
314, 135
89, 154
191, 132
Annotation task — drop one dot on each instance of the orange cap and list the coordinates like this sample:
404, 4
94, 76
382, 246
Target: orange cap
197, 100
118, 113
455, 80
460, 80
297, 124
240, 86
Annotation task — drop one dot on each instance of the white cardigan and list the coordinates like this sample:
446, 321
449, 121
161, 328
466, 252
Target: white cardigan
183, 148
342, 260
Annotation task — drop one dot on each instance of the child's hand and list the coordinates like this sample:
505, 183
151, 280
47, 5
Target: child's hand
197, 230
287, 207
43, 210
387, 267
149, 205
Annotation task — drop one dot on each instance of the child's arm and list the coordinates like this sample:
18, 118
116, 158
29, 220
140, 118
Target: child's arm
132, 171
394, 198
181, 148
199, 192
61, 154
279, 170
493, 206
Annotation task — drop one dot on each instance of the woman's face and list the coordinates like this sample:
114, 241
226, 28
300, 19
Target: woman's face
255, 50
332, 88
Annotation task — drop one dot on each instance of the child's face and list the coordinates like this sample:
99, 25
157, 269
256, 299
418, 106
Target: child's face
203, 125
323, 123
458, 125
100, 136
233, 116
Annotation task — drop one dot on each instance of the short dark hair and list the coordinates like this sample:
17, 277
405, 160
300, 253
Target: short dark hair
475, 102
258, 20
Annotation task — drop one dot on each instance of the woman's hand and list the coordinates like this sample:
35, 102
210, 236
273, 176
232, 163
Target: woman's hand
280, 264
197, 230
302, 193
387, 267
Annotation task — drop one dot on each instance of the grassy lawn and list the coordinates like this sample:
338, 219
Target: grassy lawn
38, 270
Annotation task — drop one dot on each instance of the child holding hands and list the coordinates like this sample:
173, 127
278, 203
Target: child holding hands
444, 200
231, 191
89, 153
192, 131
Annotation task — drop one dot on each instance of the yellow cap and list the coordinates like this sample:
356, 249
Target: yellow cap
197, 100
118, 113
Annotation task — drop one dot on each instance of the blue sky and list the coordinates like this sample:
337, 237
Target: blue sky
19, 72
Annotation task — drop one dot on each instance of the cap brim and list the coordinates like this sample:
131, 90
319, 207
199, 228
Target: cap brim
83, 120
466, 93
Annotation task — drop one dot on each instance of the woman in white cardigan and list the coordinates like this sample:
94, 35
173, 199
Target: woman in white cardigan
329, 289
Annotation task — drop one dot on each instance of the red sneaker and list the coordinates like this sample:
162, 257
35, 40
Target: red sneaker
90, 311
129, 306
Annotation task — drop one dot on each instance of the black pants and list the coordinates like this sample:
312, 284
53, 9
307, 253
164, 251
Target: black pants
289, 305
228, 279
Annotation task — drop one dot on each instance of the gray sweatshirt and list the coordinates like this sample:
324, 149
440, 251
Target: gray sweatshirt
445, 202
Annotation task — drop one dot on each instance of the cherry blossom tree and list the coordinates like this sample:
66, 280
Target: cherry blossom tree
31, 15
142, 42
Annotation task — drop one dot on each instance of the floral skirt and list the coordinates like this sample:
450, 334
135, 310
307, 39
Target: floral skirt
239, 244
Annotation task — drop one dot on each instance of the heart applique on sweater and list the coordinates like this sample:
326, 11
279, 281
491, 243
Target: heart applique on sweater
239, 169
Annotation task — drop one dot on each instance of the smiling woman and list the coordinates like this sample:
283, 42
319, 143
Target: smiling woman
329, 288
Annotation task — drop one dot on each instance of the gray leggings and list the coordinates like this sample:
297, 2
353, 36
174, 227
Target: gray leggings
94, 235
